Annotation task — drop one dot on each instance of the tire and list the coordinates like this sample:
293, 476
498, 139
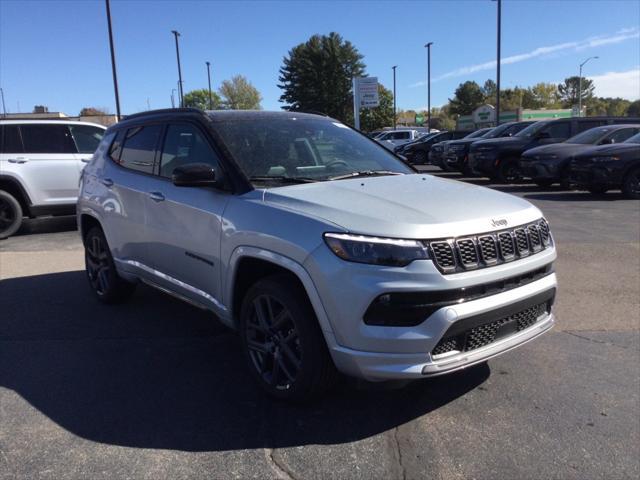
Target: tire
631, 184
103, 277
598, 189
509, 172
282, 342
544, 183
10, 215
420, 158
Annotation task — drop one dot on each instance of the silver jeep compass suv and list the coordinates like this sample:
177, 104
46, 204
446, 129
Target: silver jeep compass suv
321, 248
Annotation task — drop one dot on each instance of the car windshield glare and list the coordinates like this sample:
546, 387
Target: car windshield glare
303, 147
531, 130
634, 139
589, 137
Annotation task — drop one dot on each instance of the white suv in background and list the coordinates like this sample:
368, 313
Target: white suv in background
393, 138
40, 166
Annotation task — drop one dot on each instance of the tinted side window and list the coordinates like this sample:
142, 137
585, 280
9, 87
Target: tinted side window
47, 139
139, 148
458, 135
10, 141
587, 124
87, 138
185, 144
559, 130
622, 134
115, 150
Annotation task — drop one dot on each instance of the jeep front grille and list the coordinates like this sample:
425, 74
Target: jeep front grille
485, 250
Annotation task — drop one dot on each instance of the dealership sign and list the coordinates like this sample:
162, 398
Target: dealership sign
367, 91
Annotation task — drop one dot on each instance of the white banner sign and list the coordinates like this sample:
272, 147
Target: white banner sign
368, 92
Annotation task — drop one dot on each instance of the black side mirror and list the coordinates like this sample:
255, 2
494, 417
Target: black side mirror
195, 175
607, 141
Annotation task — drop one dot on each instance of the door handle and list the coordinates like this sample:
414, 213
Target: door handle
156, 196
85, 160
107, 182
19, 160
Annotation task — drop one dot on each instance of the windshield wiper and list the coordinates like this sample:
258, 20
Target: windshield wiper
365, 173
281, 178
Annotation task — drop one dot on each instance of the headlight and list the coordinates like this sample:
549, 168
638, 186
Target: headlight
392, 252
609, 158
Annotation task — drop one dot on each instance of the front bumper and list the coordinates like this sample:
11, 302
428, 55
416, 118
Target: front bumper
606, 174
539, 170
482, 163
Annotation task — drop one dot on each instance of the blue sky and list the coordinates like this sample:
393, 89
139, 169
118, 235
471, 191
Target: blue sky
56, 53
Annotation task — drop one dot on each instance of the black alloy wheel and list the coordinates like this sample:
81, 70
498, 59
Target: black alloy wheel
631, 185
10, 215
509, 172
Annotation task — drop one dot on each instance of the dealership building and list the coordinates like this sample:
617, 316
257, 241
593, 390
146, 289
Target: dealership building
485, 116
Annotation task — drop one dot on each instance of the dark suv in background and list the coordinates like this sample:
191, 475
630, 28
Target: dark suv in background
418, 152
498, 158
437, 152
457, 152
550, 163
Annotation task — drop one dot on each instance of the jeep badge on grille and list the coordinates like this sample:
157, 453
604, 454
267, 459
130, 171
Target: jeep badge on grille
499, 222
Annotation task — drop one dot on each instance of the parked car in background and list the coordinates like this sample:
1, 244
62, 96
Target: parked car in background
392, 138
608, 167
499, 158
457, 153
40, 166
418, 152
338, 258
437, 151
550, 163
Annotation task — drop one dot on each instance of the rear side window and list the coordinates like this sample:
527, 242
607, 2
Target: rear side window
621, 135
10, 141
559, 130
184, 144
587, 124
41, 138
86, 137
139, 148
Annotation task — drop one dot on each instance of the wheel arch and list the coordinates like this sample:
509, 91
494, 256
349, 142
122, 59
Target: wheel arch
13, 186
86, 222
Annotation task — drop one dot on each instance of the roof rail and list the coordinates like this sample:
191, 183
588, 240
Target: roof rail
163, 110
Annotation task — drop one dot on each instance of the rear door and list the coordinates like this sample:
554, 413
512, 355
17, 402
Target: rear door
48, 164
184, 224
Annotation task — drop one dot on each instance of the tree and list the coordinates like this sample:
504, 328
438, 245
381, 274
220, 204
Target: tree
317, 76
92, 111
489, 90
442, 119
200, 99
545, 95
467, 97
634, 109
569, 90
240, 94
382, 116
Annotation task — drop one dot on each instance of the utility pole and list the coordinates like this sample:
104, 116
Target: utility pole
176, 34
209, 78
580, 85
428, 46
394, 96
498, 64
4, 107
113, 61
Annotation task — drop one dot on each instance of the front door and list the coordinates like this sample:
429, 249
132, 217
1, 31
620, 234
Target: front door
184, 224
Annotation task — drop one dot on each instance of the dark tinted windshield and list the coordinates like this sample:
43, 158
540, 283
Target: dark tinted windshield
302, 147
634, 139
497, 131
589, 137
478, 133
531, 130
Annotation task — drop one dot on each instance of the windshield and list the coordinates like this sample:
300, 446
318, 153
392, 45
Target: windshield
634, 139
497, 131
531, 130
312, 149
589, 137
477, 133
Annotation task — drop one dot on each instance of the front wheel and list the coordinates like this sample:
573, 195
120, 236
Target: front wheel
598, 189
420, 158
10, 215
509, 172
282, 341
544, 183
631, 184
101, 270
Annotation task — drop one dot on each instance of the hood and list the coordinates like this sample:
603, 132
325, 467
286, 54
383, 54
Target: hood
617, 148
404, 206
561, 150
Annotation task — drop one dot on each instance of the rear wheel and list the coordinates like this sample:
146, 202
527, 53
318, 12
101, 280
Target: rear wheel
631, 184
283, 344
10, 215
509, 172
101, 270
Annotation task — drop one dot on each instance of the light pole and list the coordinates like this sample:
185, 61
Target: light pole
4, 108
394, 96
209, 78
113, 61
173, 103
176, 34
428, 46
498, 63
580, 85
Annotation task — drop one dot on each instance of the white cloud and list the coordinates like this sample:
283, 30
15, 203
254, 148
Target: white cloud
592, 42
618, 84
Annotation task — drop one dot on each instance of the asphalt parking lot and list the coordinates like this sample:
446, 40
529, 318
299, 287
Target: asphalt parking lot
157, 389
